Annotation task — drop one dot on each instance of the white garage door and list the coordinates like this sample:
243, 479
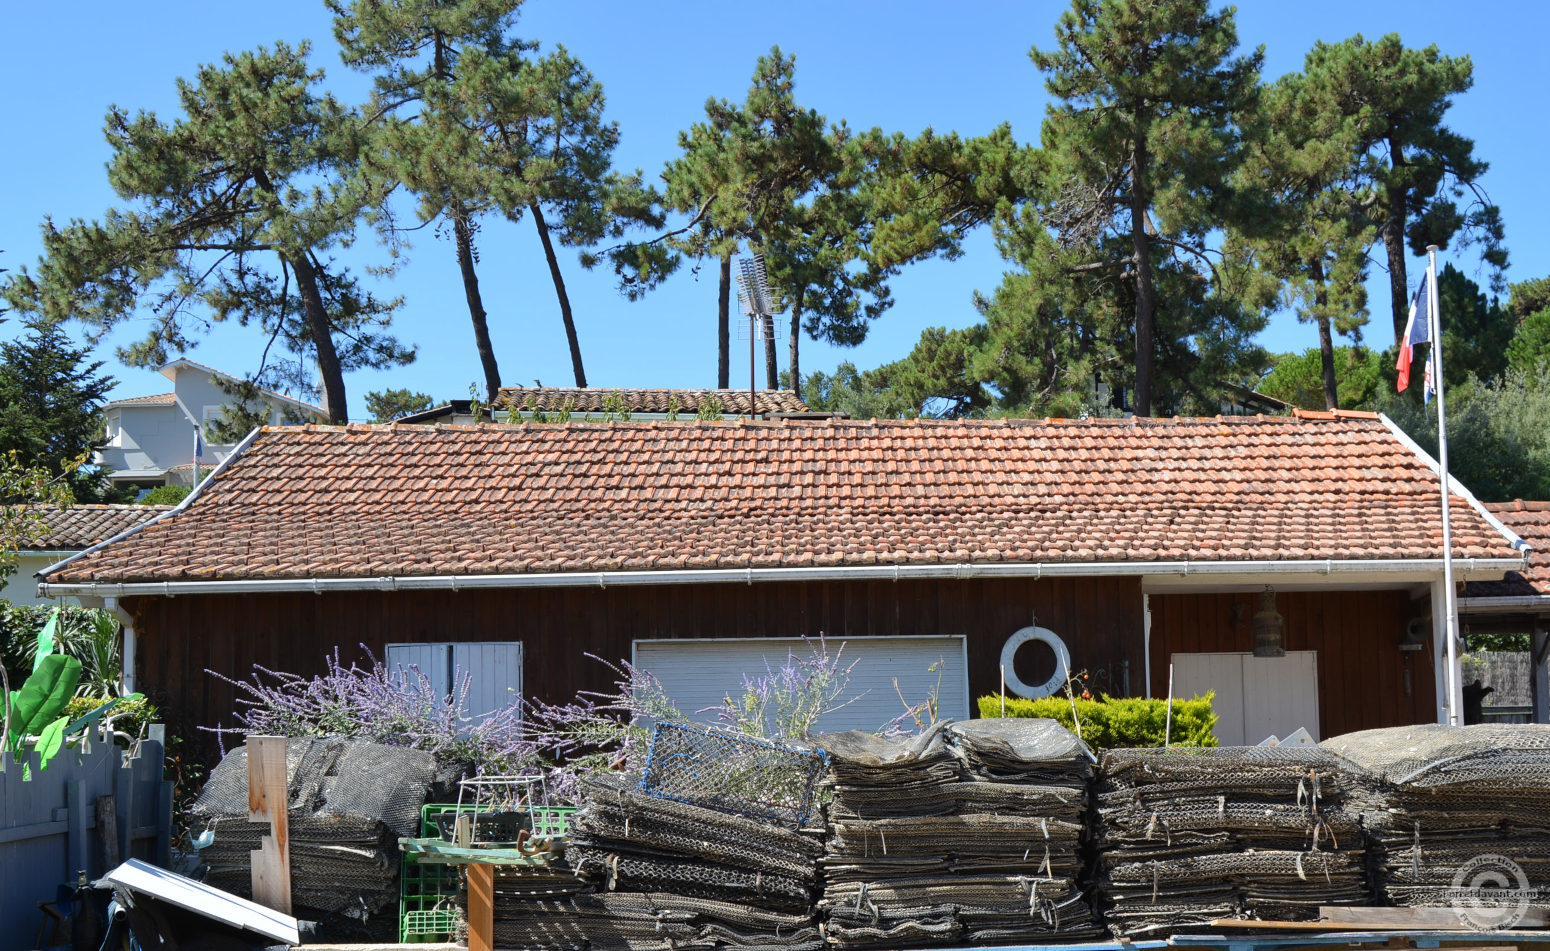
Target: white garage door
699, 673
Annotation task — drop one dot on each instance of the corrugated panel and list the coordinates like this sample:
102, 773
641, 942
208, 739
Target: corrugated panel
495, 675
432, 660
699, 674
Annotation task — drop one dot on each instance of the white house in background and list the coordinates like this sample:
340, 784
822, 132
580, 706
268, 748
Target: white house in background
151, 439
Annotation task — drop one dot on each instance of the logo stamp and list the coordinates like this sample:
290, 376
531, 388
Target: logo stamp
1491, 893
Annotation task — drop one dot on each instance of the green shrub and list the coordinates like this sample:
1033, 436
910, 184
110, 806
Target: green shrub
166, 495
1118, 722
128, 716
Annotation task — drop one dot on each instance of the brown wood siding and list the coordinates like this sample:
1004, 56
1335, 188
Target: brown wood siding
1362, 671
179, 638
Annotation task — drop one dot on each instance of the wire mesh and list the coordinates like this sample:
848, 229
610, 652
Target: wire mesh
733, 774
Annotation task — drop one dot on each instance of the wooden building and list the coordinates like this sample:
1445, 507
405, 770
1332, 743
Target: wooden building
696, 549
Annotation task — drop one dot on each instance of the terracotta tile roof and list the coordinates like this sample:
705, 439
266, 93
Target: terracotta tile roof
363, 501
688, 402
82, 526
1531, 520
155, 399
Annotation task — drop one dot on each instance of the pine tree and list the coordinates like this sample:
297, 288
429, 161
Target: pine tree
388, 405
1307, 225
1141, 143
259, 169
474, 122
51, 398
1396, 99
743, 173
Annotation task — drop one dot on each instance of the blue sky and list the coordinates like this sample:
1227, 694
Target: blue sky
899, 65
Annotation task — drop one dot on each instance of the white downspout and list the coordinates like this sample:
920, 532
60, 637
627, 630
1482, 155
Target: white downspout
131, 643
1539, 648
1449, 703
1146, 642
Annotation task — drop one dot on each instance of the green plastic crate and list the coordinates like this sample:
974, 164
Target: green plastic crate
427, 909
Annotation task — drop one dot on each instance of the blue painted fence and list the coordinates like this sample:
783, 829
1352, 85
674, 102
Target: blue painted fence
48, 823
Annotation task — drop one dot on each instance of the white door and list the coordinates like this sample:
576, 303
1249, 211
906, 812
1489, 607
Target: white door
698, 674
1256, 697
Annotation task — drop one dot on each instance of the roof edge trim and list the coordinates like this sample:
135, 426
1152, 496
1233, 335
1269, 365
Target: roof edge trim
188, 500
602, 579
1456, 486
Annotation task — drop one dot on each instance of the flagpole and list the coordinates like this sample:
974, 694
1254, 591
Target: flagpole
1450, 600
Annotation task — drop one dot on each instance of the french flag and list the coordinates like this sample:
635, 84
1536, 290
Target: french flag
1416, 333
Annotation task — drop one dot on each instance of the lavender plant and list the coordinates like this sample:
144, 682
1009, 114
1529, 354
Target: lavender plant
599, 732
785, 703
398, 706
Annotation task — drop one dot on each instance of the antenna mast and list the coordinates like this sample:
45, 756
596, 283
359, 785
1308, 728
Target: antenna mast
753, 292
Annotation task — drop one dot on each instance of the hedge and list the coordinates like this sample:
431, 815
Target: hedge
1118, 722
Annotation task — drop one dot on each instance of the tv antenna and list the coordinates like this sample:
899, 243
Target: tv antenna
758, 323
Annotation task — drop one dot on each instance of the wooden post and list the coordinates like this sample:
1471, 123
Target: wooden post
481, 907
268, 797
107, 833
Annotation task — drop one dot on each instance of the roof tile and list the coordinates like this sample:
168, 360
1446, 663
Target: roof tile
362, 501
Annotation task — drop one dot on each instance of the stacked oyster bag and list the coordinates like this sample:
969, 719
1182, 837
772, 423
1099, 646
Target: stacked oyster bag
969, 832
349, 802
704, 850
1461, 807
1189, 835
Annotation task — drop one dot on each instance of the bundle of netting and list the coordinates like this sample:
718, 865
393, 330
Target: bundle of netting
1188, 835
685, 874
969, 832
349, 801
1464, 816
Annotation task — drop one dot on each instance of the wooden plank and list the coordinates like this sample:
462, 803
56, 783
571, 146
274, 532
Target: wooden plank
481, 908
77, 845
1417, 919
107, 833
267, 802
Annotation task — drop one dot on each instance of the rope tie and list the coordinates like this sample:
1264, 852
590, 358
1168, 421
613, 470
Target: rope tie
1155, 883
1221, 807
1300, 873
1415, 853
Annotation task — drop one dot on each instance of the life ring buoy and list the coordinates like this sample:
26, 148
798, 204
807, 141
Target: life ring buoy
1062, 662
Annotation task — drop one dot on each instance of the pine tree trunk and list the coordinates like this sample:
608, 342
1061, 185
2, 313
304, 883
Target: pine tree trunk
771, 361
1393, 232
559, 290
1146, 293
723, 327
464, 238
318, 324
322, 336
796, 343
1326, 338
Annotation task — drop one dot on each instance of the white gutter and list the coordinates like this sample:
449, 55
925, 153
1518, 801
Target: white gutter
137, 529
602, 579
1506, 604
1456, 486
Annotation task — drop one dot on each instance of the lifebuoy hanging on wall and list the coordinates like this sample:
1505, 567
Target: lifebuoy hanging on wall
1062, 662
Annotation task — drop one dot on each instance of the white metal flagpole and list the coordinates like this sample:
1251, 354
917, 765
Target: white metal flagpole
1450, 599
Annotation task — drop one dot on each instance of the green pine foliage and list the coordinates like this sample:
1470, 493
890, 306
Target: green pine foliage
1425, 177
1299, 378
51, 396
1118, 722
1140, 143
388, 405
231, 209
